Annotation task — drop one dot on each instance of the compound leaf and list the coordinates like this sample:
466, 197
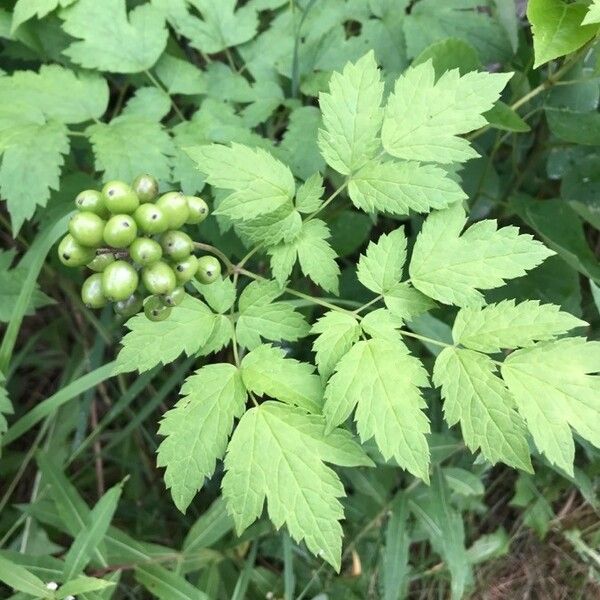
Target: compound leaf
477, 398
381, 267
196, 430
509, 325
452, 268
423, 118
555, 390
381, 379
277, 453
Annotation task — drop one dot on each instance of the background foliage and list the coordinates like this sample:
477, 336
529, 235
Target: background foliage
92, 91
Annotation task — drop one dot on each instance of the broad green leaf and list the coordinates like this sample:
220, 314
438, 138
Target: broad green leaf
309, 196
381, 323
165, 584
403, 301
149, 343
380, 268
557, 28
266, 372
220, 27
593, 13
111, 40
555, 391
21, 580
34, 155
464, 482
445, 529
477, 398
91, 535
219, 295
381, 380
280, 226
283, 258
27, 9
450, 53
510, 325
220, 336
352, 116
338, 331
130, 145
574, 126
56, 92
277, 453
261, 317
400, 187
196, 430
423, 118
451, 267
261, 183
180, 76
148, 103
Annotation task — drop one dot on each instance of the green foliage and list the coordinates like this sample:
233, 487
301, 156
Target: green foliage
402, 245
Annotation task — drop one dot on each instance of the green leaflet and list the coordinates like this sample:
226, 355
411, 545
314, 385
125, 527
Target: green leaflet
477, 398
338, 333
149, 343
261, 184
451, 267
266, 372
112, 40
424, 117
510, 325
261, 317
555, 390
381, 267
405, 302
558, 28
381, 380
399, 187
381, 323
278, 453
352, 116
196, 430
593, 14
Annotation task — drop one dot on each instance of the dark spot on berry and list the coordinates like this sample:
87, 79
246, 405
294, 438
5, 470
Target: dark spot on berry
155, 313
180, 268
154, 216
66, 256
202, 211
125, 224
111, 192
209, 272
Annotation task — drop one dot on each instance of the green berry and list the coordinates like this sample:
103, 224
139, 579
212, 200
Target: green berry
175, 207
155, 309
145, 251
129, 306
119, 197
119, 281
72, 253
177, 245
159, 278
87, 228
151, 219
92, 201
146, 187
198, 210
92, 292
186, 269
175, 297
120, 231
209, 269
101, 261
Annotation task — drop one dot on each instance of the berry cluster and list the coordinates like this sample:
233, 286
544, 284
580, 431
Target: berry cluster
132, 240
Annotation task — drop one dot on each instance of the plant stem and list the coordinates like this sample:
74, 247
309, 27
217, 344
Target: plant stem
329, 200
159, 85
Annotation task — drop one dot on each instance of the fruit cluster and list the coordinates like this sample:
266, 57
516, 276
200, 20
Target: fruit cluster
132, 240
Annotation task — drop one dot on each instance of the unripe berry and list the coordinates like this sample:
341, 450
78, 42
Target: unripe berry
146, 187
119, 281
87, 228
120, 231
92, 201
174, 205
101, 261
186, 269
177, 245
159, 278
209, 269
155, 309
198, 210
92, 292
175, 297
129, 306
151, 219
72, 253
145, 251
119, 197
